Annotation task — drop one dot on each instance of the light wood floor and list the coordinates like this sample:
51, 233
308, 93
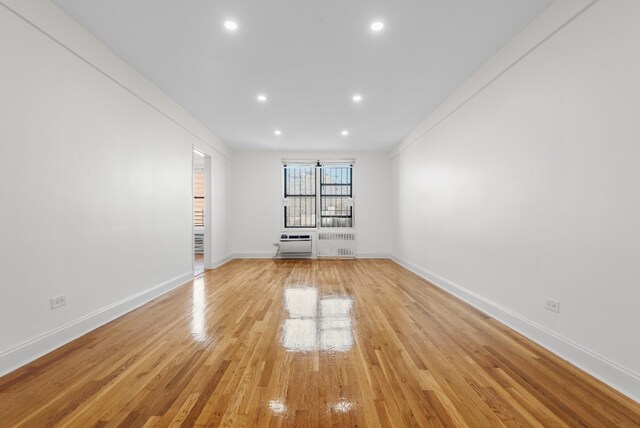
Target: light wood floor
307, 343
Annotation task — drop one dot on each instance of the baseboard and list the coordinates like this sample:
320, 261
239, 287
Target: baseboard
373, 256
253, 255
33, 349
271, 255
607, 371
220, 262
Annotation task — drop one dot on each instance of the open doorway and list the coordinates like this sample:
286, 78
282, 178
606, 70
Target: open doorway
201, 166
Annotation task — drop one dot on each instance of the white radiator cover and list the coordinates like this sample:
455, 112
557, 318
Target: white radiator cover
337, 244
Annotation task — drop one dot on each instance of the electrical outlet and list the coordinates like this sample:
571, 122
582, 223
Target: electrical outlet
58, 301
552, 305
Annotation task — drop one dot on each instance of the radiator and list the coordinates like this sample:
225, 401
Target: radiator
337, 244
291, 245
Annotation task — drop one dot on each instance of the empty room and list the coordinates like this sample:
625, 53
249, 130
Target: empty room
344, 213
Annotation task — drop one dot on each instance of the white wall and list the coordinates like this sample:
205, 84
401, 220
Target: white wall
257, 200
95, 184
530, 189
220, 210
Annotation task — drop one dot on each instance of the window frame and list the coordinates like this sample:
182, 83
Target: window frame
287, 195
318, 166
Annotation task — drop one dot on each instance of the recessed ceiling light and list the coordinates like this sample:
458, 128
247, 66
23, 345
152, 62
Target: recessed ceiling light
345, 133
262, 98
357, 98
377, 26
277, 132
231, 25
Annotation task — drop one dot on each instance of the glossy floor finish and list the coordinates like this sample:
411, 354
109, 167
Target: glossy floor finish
198, 263
307, 343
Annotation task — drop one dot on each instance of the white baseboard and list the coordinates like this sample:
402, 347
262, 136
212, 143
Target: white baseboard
609, 372
221, 262
253, 255
271, 255
33, 349
373, 256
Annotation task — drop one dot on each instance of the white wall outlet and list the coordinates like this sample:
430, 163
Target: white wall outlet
552, 305
58, 301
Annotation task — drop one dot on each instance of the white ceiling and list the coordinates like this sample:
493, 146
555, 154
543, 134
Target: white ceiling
309, 57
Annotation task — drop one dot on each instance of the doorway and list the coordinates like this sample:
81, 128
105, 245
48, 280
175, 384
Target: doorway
201, 167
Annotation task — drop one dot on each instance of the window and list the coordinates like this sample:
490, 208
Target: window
336, 196
300, 196
198, 197
333, 207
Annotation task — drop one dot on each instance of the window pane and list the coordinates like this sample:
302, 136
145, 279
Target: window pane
344, 189
300, 211
300, 180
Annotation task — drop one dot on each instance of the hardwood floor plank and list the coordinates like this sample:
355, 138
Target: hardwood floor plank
282, 343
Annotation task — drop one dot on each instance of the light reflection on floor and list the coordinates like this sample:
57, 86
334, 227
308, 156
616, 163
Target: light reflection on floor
317, 323
198, 311
342, 407
277, 407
